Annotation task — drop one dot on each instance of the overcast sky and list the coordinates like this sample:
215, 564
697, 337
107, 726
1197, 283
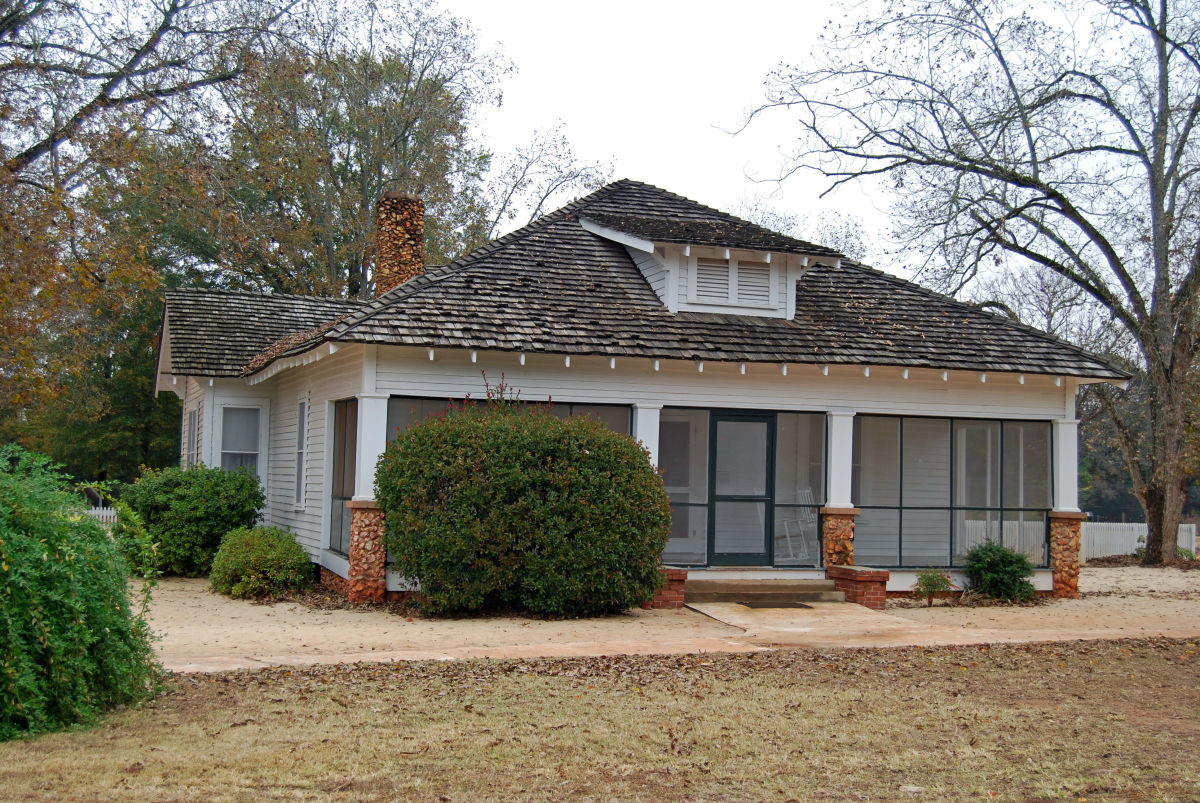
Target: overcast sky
656, 88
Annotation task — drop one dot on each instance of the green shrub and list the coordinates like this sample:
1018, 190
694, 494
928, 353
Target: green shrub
1000, 572
489, 507
70, 646
931, 582
187, 511
260, 562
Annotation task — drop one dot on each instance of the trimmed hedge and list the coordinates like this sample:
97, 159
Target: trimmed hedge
188, 511
495, 506
260, 562
70, 645
1000, 572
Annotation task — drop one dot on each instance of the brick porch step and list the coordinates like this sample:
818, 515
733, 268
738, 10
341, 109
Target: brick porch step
760, 591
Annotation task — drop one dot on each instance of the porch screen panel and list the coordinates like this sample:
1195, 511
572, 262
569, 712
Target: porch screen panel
926, 537
875, 481
876, 472
345, 436
740, 468
403, 412
972, 528
877, 537
739, 527
799, 488
1026, 464
977, 463
683, 458
926, 464
1025, 531
615, 417
961, 483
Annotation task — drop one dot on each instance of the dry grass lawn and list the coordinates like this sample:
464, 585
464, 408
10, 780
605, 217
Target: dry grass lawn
1094, 720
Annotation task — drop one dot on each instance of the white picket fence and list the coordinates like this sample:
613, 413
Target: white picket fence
105, 515
1100, 539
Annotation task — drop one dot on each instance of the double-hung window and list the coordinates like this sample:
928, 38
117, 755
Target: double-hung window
193, 438
301, 433
239, 438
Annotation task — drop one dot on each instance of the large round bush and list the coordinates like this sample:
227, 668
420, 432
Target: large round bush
496, 507
188, 511
259, 562
70, 646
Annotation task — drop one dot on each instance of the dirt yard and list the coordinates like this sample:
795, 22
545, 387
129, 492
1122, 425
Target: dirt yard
201, 631
1114, 603
1088, 721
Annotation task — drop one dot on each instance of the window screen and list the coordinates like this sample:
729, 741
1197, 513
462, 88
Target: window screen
239, 438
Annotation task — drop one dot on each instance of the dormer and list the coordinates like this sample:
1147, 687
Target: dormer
702, 277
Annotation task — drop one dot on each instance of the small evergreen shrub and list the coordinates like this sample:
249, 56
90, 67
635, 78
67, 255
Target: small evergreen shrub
70, 645
259, 562
1000, 572
495, 507
932, 582
188, 511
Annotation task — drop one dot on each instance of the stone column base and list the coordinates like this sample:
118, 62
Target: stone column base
367, 579
1064, 552
837, 535
671, 594
863, 585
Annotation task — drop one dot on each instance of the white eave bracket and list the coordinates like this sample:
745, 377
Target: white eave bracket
284, 363
627, 240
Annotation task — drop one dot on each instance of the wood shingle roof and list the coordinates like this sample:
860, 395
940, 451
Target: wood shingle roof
218, 332
554, 287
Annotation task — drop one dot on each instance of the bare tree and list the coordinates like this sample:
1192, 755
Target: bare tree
1062, 135
830, 228
535, 176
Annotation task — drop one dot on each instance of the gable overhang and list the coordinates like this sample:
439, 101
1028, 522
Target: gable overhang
278, 366
164, 379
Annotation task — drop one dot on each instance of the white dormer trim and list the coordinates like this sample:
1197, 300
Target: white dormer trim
670, 269
627, 240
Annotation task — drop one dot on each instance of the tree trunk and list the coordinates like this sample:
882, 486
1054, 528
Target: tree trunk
1163, 505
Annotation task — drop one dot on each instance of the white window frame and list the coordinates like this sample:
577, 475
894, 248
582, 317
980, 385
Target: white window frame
732, 299
264, 432
300, 477
192, 448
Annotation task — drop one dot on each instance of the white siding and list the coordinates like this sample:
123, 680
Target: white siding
654, 271
193, 399
334, 377
407, 371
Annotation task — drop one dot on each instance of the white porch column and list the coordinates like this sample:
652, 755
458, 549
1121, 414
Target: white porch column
645, 427
372, 437
841, 459
1066, 464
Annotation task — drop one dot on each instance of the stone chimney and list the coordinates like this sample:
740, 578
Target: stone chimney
399, 240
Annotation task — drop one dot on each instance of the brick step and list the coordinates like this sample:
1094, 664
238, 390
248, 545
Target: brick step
743, 585
763, 597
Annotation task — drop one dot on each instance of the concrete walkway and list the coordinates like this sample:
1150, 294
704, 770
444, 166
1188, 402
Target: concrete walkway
202, 632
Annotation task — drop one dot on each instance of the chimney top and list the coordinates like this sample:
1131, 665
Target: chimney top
399, 240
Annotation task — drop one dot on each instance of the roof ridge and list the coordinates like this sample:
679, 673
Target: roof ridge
256, 294
1015, 323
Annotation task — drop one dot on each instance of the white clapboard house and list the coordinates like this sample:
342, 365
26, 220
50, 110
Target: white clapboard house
785, 391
